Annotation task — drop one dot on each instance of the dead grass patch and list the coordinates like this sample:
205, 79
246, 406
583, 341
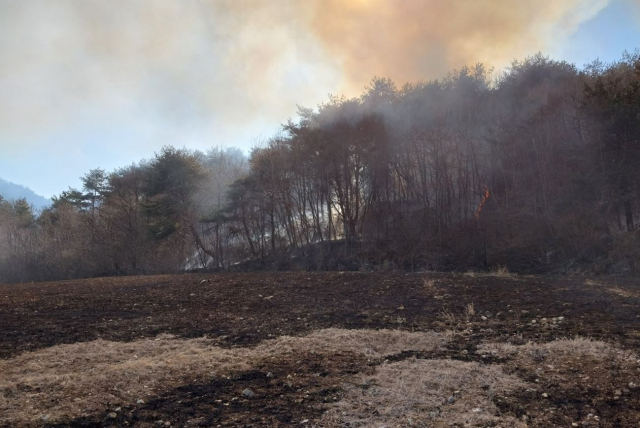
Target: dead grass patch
417, 393
453, 321
618, 291
558, 350
449, 318
469, 312
429, 285
68, 381
623, 293
370, 343
564, 369
498, 349
499, 272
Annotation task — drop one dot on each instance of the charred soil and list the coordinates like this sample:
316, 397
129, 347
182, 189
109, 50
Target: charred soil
508, 321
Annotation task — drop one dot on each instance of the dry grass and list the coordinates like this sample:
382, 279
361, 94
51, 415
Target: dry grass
634, 294
77, 379
448, 317
557, 351
587, 361
429, 285
416, 393
499, 349
612, 289
500, 272
469, 312
370, 343
68, 381
453, 320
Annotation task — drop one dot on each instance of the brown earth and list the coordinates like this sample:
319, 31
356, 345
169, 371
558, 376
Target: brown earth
498, 320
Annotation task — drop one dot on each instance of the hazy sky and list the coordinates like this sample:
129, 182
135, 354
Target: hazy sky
103, 83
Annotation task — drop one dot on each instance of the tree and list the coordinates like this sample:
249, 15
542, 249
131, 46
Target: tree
94, 185
172, 180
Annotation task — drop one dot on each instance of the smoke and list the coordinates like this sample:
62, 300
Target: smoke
416, 39
219, 64
406, 40
635, 6
153, 64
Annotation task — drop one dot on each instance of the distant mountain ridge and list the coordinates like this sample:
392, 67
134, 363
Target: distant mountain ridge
12, 191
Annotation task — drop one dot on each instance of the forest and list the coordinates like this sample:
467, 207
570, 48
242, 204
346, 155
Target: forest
534, 169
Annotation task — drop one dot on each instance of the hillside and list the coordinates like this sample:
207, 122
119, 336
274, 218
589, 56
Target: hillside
12, 191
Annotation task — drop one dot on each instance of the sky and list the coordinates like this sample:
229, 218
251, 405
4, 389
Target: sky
104, 83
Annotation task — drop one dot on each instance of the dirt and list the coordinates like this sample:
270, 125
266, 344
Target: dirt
238, 310
301, 388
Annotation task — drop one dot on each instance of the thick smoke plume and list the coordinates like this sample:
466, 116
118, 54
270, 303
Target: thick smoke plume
220, 62
415, 39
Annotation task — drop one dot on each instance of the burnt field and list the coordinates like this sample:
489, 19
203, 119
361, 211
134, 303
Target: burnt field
321, 349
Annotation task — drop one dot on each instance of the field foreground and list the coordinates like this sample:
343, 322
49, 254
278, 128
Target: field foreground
321, 350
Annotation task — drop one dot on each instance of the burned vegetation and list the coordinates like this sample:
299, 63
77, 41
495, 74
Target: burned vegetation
533, 169
321, 349
136, 300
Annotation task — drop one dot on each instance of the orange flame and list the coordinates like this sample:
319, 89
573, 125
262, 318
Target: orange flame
484, 199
